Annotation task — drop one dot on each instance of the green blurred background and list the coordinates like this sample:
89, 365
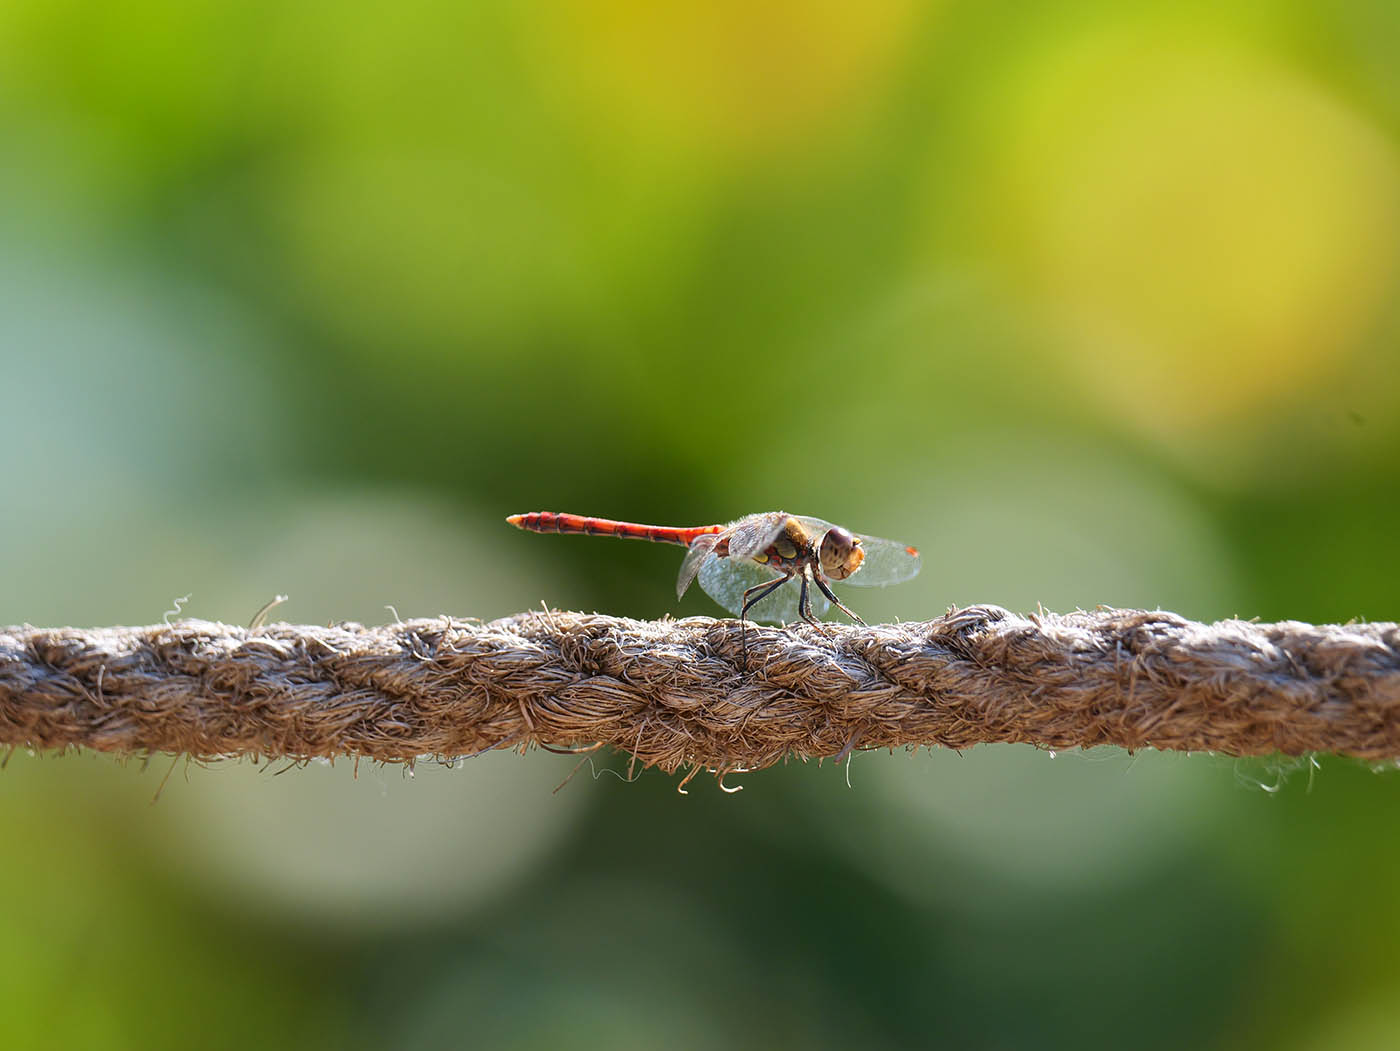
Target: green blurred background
1095, 303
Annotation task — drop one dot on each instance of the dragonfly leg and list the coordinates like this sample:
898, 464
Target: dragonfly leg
764, 590
804, 607
826, 590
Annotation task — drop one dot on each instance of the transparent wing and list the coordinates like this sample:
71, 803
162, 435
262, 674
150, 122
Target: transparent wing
698, 551
749, 536
725, 580
886, 561
816, 527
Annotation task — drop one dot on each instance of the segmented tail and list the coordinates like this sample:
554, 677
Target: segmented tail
552, 522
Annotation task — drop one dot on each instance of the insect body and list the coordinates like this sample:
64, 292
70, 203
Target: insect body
763, 567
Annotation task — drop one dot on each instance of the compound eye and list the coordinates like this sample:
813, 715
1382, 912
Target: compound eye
839, 539
840, 553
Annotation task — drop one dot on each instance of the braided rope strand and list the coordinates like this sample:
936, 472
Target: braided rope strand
675, 693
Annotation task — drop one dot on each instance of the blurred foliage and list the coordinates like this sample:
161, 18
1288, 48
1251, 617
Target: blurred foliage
1094, 302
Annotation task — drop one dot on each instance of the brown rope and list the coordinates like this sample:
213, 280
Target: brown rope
674, 693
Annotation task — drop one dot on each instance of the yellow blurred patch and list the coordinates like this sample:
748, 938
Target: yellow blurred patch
723, 77
1214, 232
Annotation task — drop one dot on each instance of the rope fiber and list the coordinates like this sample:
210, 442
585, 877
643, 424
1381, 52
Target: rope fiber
677, 693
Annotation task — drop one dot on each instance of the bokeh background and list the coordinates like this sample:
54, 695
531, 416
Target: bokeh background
1095, 303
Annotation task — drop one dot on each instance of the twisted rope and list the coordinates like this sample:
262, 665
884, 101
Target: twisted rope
675, 693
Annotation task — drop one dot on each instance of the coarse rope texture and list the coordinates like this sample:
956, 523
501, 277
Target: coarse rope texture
677, 693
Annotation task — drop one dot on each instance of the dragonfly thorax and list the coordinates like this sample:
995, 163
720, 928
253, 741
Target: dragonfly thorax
792, 549
835, 553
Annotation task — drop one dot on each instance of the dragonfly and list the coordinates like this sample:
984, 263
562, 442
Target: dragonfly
774, 566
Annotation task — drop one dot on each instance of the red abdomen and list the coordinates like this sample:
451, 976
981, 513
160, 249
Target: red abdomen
552, 522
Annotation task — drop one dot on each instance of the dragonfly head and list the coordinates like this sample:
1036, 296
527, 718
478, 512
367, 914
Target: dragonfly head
840, 553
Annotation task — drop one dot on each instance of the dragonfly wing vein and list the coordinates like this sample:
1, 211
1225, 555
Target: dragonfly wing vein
700, 549
886, 562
